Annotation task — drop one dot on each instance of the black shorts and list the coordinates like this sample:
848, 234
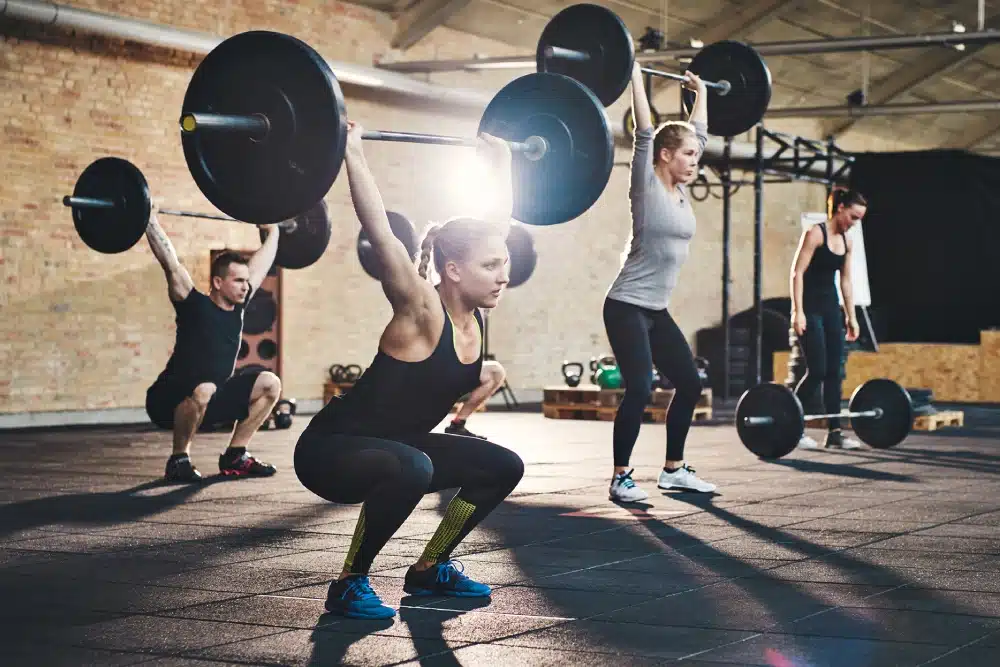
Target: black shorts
229, 404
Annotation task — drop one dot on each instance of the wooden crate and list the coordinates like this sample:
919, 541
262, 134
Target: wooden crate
942, 419
592, 402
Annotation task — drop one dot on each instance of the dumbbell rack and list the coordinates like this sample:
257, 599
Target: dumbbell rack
590, 402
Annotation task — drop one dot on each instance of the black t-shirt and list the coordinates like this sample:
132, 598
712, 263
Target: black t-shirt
208, 340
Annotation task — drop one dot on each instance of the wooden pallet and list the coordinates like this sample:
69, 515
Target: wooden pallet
592, 402
942, 419
333, 389
653, 414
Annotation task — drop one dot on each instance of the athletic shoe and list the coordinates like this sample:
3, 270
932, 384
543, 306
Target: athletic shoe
181, 470
353, 597
443, 579
244, 466
458, 428
623, 489
836, 440
684, 478
807, 443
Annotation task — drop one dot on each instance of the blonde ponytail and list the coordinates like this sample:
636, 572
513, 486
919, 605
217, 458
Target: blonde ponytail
427, 249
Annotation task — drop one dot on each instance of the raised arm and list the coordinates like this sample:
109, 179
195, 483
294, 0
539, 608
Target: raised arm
179, 283
262, 260
400, 282
501, 205
642, 147
699, 112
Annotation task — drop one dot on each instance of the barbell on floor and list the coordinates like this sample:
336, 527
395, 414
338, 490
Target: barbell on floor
111, 207
264, 132
591, 44
770, 420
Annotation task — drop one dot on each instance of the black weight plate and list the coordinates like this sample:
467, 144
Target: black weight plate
402, 229
112, 230
280, 176
770, 441
260, 314
244, 350
897, 413
571, 176
304, 245
745, 104
601, 33
521, 249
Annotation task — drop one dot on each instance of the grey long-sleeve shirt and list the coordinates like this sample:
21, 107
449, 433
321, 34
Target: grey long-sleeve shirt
662, 228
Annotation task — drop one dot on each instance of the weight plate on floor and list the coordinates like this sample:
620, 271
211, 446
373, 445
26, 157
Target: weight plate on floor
774, 440
897, 413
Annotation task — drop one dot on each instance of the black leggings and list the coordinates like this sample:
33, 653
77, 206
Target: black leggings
639, 338
391, 476
823, 346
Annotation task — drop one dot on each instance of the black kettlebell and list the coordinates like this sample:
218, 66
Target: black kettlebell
336, 374
283, 412
702, 364
572, 371
593, 370
352, 373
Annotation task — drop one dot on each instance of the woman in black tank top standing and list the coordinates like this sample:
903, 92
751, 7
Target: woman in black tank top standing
374, 446
817, 317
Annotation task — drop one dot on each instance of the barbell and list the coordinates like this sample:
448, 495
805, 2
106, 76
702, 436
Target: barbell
770, 420
591, 44
111, 208
264, 132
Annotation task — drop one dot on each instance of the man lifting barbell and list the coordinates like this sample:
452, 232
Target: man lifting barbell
374, 445
198, 386
817, 317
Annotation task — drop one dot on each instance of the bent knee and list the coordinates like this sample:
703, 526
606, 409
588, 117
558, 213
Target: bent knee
203, 393
268, 384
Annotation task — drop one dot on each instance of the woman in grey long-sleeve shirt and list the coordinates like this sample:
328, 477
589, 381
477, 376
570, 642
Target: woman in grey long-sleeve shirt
638, 323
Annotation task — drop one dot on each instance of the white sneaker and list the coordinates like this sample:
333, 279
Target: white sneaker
684, 478
623, 489
808, 443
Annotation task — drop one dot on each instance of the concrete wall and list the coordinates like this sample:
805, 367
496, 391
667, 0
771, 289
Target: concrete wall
82, 331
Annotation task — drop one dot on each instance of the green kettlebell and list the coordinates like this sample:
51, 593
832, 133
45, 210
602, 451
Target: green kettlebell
608, 376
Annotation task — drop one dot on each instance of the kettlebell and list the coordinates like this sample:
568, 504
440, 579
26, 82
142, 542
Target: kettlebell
572, 371
283, 412
608, 375
336, 373
352, 373
702, 364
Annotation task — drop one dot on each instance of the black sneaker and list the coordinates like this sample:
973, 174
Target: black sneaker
458, 428
244, 465
181, 470
836, 440
443, 579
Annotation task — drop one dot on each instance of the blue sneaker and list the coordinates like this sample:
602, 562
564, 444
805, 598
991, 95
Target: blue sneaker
444, 579
353, 597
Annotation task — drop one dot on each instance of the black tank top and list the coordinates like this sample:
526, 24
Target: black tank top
396, 397
208, 340
819, 289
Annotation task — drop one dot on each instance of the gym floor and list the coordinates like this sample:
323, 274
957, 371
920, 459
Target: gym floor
854, 558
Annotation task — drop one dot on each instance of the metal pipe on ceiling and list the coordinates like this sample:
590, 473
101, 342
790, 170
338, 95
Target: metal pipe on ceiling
786, 48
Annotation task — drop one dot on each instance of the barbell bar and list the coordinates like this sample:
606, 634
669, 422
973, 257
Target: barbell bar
770, 420
560, 53
591, 44
762, 421
264, 132
111, 207
258, 126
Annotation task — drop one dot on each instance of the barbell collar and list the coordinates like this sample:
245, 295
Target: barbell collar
255, 125
561, 53
88, 202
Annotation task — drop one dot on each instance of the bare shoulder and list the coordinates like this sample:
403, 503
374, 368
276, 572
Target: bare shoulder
813, 236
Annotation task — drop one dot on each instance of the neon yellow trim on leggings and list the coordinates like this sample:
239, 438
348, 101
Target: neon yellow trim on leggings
455, 516
359, 535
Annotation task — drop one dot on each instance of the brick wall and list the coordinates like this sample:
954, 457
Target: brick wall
84, 331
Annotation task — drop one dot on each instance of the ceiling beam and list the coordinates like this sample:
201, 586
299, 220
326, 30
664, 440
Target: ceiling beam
420, 19
733, 23
909, 76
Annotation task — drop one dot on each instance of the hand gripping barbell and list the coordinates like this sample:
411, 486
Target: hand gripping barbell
770, 420
111, 208
264, 131
591, 44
